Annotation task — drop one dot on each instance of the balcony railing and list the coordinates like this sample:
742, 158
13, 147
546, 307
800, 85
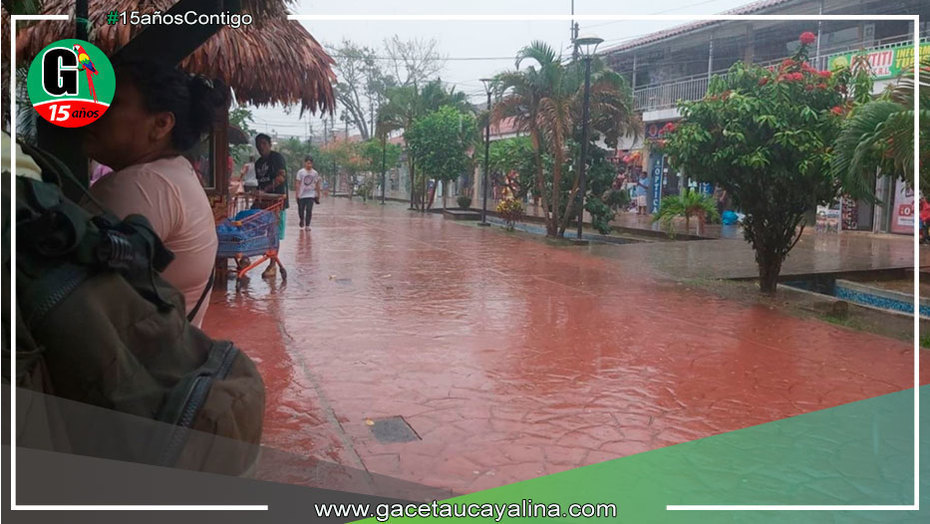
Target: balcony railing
667, 95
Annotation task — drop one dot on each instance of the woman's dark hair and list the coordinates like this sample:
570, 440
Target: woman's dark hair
308, 158
194, 100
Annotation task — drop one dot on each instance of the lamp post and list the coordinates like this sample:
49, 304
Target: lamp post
588, 45
488, 83
383, 155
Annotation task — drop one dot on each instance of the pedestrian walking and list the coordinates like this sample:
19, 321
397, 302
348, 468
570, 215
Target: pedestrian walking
309, 189
271, 173
720, 197
640, 193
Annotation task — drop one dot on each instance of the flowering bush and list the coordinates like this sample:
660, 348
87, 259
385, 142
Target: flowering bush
510, 210
765, 135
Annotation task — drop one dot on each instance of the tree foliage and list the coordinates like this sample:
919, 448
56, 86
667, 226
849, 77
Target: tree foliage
441, 142
765, 135
513, 156
405, 105
241, 118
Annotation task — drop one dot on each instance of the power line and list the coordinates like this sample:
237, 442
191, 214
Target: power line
427, 58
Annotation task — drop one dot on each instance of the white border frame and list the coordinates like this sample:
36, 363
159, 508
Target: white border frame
915, 19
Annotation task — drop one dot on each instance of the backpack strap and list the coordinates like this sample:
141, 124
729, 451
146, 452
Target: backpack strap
203, 296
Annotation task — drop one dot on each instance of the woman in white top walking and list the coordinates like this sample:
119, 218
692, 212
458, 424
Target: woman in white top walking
308, 192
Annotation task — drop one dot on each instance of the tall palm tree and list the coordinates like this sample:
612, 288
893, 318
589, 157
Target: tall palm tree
880, 134
545, 101
399, 112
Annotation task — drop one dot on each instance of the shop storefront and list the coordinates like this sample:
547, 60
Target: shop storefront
896, 214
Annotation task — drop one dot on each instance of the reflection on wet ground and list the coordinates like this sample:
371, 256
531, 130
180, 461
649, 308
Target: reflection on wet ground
511, 358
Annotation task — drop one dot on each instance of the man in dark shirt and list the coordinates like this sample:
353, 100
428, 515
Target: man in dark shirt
270, 172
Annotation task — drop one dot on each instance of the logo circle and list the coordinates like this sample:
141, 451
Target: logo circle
71, 83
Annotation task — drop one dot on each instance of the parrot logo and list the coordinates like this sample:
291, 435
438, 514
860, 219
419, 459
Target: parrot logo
88, 67
54, 83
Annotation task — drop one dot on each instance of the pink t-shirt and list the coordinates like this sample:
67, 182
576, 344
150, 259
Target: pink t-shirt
167, 193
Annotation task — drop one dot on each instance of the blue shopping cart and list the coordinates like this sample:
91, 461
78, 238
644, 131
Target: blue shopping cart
251, 232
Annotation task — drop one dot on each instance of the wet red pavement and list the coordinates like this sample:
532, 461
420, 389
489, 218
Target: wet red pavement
512, 358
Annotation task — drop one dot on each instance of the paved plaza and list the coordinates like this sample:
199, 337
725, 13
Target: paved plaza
511, 357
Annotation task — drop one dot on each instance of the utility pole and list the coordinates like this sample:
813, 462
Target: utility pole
80, 18
573, 34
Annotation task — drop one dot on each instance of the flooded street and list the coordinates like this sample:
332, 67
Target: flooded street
510, 358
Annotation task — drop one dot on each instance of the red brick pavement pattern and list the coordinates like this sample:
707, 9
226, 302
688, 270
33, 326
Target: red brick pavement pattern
512, 358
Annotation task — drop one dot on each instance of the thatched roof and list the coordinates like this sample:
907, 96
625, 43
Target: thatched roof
271, 61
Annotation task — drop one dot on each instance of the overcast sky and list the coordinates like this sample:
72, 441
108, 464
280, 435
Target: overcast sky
475, 49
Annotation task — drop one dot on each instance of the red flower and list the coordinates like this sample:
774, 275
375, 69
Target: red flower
808, 38
821, 86
809, 87
837, 110
787, 62
669, 127
764, 80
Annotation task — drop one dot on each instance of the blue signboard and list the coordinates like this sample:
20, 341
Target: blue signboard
656, 165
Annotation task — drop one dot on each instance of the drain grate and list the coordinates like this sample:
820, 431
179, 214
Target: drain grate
392, 429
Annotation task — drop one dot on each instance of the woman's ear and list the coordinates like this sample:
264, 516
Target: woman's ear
163, 125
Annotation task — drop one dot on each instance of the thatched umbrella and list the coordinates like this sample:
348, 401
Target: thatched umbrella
271, 61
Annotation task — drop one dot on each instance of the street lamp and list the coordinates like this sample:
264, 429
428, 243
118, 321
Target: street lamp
588, 46
488, 84
383, 169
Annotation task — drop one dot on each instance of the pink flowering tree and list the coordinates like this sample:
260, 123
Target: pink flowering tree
765, 136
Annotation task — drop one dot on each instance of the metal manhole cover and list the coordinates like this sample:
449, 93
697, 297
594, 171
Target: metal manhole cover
392, 429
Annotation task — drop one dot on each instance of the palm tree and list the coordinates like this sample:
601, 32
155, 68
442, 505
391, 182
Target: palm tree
545, 101
880, 134
399, 112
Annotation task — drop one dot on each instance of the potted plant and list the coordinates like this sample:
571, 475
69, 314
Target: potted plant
688, 204
464, 201
510, 210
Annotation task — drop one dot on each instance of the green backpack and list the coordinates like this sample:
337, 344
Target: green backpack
98, 326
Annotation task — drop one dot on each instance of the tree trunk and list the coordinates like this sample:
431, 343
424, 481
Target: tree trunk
556, 196
425, 190
769, 269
